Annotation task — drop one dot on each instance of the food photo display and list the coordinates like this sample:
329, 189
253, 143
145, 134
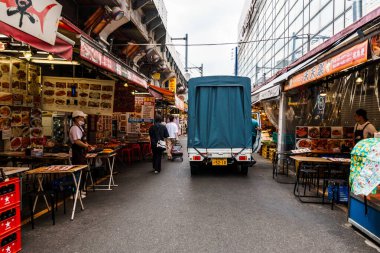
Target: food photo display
324, 139
88, 95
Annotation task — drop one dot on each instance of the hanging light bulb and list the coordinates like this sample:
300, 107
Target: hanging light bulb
359, 80
28, 55
126, 85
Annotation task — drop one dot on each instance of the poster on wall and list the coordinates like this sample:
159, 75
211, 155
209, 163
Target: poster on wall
92, 96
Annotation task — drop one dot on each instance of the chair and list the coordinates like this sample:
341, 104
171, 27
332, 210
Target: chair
306, 175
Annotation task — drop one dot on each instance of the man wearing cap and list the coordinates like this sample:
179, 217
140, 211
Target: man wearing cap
77, 137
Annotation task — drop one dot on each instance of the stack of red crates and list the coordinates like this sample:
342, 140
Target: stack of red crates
10, 216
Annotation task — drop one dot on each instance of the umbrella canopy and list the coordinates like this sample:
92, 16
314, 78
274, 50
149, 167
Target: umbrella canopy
365, 167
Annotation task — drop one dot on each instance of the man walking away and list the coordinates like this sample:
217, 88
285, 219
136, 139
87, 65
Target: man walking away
173, 136
157, 132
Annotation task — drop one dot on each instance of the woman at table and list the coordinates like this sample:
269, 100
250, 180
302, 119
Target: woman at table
363, 128
77, 136
157, 132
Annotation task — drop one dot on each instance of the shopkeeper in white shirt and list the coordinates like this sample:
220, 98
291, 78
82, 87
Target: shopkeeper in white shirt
363, 128
77, 136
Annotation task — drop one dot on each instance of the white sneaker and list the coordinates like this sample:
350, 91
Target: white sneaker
155, 172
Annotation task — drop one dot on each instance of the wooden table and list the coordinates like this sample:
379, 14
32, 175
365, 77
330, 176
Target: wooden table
55, 169
16, 156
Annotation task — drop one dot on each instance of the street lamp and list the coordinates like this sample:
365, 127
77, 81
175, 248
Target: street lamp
186, 39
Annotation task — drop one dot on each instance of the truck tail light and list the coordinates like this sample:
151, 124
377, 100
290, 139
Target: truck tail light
243, 158
197, 158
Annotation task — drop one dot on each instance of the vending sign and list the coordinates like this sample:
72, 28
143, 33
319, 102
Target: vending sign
37, 18
349, 58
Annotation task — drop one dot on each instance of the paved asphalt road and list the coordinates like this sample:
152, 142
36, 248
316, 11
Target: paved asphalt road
212, 212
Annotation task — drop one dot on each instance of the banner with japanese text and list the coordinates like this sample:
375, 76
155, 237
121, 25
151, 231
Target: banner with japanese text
349, 58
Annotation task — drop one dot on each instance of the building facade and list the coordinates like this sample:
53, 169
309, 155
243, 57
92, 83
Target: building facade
273, 34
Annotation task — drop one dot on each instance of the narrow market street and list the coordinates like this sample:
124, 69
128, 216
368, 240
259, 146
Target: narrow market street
211, 212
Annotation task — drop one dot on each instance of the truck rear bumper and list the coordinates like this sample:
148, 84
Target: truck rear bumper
235, 155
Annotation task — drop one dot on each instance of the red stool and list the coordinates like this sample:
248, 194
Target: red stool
127, 155
147, 149
136, 151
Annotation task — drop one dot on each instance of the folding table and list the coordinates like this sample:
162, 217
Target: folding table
60, 169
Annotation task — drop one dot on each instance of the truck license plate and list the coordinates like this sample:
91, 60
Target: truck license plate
219, 162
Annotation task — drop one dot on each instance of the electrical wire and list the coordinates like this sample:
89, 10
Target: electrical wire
210, 44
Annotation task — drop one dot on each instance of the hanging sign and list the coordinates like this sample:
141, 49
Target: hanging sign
37, 18
266, 94
102, 60
173, 84
349, 58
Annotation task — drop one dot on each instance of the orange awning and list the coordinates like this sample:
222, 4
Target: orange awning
167, 95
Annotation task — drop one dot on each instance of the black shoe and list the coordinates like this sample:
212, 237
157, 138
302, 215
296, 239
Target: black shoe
253, 162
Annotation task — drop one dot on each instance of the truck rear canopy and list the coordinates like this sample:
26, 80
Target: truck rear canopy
219, 112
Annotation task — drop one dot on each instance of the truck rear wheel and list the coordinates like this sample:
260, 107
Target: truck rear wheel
243, 170
194, 169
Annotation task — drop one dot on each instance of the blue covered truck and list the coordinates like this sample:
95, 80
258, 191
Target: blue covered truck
219, 122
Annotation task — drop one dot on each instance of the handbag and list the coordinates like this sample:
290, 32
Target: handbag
160, 143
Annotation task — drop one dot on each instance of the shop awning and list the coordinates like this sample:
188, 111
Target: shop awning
269, 93
62, 48
167, 95
155, 94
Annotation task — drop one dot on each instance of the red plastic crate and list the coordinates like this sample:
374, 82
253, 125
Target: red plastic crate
12, 222
12, 197
11, 242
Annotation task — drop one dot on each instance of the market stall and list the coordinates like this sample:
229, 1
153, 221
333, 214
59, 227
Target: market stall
265, 108
320, 102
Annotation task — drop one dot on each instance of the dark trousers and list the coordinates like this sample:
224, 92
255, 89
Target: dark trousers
253, 141
157, 155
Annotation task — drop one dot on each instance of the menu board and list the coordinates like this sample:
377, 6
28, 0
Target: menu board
91, 96
20, 83
5, 75
326, 138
